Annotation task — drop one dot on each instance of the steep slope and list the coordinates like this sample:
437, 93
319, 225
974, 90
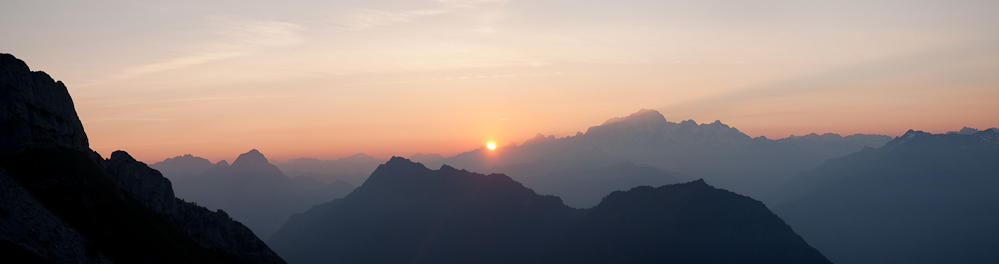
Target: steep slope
61, 204
405, 212
922, 198
251, 190
581, 183
684, 223
214, 230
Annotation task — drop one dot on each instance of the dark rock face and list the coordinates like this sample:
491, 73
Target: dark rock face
145, 183
405, 212
36, 111
27, 224
62, 203
921, 198
214, 230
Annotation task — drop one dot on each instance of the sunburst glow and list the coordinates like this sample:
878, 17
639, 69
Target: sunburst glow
491, 146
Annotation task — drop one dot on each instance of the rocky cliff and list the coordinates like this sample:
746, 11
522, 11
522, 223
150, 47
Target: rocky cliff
36, 111
62, 203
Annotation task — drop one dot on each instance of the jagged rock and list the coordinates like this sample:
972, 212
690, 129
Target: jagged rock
145, 183
36, 111
61, 202
214, 230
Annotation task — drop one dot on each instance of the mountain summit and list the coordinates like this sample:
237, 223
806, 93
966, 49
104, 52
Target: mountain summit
36, 111
63, 203
408, 213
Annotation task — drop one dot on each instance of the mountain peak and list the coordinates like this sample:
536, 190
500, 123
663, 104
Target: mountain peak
36, 111
397, 161
122, 155
253, 157
643, 115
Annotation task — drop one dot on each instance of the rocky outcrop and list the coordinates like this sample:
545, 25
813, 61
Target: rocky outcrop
36, 111
214, 230
47, 237
145, 183
60, 202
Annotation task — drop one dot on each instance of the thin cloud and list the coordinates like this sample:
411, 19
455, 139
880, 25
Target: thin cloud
238, 38
455, 78
361, 19
364, 18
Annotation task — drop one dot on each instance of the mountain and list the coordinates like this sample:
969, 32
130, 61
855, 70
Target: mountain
405, 212
831, 145
184, 166
63, 203
353, 169
251, 190
580, 183
717, 152
921, 198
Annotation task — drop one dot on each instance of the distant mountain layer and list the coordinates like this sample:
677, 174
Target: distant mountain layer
406, 213
921, 198
354, 169
251, 190
63, 203
716, 152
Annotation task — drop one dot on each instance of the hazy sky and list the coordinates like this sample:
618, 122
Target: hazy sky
332, 78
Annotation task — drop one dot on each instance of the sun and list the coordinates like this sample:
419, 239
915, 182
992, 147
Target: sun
491, 146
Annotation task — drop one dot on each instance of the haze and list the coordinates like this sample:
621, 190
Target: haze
328, 79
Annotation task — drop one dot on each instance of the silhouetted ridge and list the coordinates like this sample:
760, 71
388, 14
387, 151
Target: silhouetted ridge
63, 203
251, 190
642, 116
213, 230
921, 198
406, 212
36, 111
250, 159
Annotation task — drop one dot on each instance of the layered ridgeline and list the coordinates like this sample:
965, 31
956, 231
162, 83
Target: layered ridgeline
921, 198
717, 152
251, 190
353, 169
63, 203
406, 213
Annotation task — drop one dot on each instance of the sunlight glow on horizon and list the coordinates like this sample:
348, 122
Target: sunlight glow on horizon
331, 79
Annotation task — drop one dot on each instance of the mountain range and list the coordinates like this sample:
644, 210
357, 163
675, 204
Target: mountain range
251, 190
921, 198
63, 203
406, 213
716, 152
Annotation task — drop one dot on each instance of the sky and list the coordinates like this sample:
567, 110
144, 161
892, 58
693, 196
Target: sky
329, 79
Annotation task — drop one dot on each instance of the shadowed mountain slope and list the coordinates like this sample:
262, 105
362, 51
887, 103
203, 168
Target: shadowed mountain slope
251, 190
63, 203
922, 198
407, 213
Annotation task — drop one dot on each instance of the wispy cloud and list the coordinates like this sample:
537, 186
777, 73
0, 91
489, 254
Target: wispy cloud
365, 18
237, 37
454, 78
361, 19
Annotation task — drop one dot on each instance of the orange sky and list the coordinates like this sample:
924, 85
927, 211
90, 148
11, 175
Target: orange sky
330, 79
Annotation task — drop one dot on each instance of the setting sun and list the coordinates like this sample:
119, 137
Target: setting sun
491, 146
